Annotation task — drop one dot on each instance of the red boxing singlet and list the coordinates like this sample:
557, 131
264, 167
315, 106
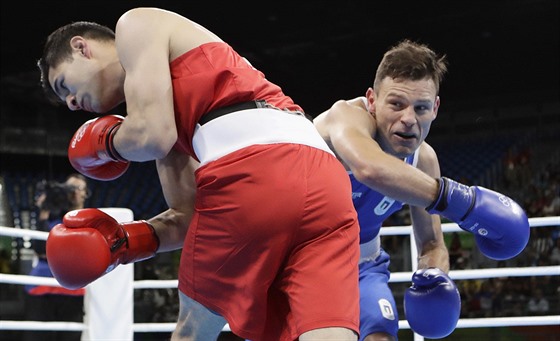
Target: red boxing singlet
212, 76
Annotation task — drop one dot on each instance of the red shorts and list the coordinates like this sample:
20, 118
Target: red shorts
273, 244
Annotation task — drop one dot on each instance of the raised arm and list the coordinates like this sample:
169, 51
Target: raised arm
142, 39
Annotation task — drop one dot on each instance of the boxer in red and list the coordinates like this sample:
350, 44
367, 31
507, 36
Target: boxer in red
257, 200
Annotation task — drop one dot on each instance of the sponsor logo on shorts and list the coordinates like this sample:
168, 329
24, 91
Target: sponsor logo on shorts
386, 309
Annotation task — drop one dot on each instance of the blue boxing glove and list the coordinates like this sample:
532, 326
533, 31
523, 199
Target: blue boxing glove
499, 224
432, 304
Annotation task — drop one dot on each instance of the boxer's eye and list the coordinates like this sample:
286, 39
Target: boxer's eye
60, 89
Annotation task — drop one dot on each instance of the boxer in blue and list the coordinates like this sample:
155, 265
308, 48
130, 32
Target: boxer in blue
380, 138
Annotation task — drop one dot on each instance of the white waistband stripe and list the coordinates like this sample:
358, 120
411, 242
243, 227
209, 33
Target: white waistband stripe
244, 128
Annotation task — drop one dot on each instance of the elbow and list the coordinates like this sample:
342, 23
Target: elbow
370, 175
160, 145
140, 140
164, 146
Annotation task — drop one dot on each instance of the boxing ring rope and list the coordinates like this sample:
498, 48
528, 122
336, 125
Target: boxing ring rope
395, 277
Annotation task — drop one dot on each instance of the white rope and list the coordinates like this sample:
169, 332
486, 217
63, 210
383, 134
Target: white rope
21, 233
161, 327
452, 227
550, 320
25, 279
388, 230
488, 273
156, 284
38, 325
397, 277
76, 326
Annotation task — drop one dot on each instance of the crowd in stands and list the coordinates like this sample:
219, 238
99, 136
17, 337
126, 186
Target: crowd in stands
539, 191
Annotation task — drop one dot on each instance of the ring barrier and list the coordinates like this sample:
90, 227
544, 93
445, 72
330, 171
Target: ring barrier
114, 280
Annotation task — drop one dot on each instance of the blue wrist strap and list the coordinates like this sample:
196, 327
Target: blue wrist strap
454, 200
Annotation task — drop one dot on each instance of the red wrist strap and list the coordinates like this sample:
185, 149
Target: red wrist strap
110, 147
142, 241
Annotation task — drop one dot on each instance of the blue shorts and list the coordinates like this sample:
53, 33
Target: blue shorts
378, 311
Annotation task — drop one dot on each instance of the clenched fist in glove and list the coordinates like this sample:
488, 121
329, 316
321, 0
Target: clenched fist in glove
89, 243
432, 304
91, 151
499, 224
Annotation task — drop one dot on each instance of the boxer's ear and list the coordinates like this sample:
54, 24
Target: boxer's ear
80, 44
370, 100
436, 106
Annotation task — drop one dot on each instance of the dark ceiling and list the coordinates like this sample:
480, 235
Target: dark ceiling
318, 51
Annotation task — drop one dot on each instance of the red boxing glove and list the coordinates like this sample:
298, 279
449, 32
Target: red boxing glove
91, 151
89, 244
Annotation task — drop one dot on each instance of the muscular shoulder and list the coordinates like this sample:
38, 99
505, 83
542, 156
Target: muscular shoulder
344, 110
344, 114
146, 27
141, 20
355, 104
428, 160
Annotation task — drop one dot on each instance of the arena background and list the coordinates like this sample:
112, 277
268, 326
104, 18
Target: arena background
498, 124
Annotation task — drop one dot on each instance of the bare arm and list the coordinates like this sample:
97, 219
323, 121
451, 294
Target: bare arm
176, 173
147, 40
428, 236
349, 129
148, 132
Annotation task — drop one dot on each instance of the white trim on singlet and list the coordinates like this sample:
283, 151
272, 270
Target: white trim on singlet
415, 159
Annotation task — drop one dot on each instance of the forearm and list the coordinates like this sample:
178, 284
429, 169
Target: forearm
414, 186
149, 131
434, 255
389, 175
432, 252
138, 142
171, 228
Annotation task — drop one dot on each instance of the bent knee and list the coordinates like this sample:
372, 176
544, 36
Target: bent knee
380, 337
331, 333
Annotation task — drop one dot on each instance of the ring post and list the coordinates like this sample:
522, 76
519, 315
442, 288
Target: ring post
109, 301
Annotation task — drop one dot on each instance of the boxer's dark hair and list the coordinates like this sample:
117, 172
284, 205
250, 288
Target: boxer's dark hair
57, 48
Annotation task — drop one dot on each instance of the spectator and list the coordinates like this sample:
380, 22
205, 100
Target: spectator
486, 296
555, 253
538, 304
47, 303
456, 251
551, 203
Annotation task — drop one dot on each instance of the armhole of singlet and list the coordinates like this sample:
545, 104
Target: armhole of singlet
415, 158
414, 161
